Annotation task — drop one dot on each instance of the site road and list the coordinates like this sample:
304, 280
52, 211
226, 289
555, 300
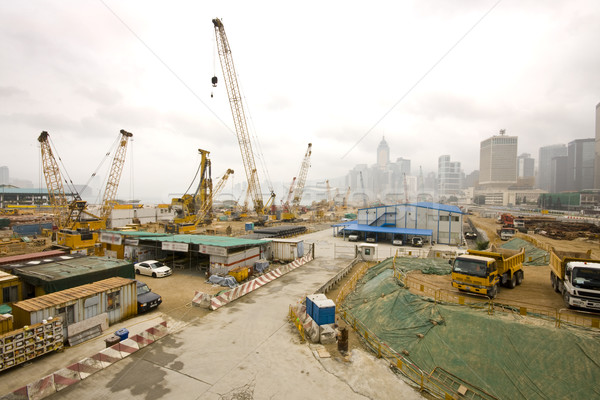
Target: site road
246, 349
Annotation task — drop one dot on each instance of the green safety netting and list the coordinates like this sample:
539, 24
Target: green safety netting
533, 255
508, 356
435, 266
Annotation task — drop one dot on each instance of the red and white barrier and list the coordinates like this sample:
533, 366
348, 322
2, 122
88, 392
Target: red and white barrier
72, 374
242, 290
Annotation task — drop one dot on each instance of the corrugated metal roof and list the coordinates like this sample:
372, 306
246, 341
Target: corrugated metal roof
30, 256
66, 266
426, 204
138, 234
5, 276
220, 241
78, 292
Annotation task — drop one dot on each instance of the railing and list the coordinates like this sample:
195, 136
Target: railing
296, 321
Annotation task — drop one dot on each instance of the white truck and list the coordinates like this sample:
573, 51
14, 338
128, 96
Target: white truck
576, 276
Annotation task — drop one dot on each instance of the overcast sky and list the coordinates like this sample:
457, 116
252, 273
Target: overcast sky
433, 77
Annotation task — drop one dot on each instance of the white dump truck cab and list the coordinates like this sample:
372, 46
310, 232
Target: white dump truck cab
582, 284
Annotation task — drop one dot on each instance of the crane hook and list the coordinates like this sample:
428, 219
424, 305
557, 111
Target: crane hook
214, 81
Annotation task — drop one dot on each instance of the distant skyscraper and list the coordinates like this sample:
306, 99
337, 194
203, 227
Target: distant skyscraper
580, 164
597, 153
498, 160
525, 166
4, 176
545, 179
559, 175
383, 154
450, 177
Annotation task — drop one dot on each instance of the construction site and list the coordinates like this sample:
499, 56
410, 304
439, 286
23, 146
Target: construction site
445, 303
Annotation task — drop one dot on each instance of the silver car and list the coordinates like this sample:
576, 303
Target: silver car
152, 268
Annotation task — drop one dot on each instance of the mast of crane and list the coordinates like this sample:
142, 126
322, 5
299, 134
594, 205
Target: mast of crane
302, 178
239, 117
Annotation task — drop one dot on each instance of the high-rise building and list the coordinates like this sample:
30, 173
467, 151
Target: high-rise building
4, 176
580, 167
383, 154
558, 167
525, 166
450, 177
498, 160
597, 152
545, 176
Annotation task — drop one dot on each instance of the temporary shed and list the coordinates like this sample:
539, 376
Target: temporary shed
217, 254
63, 272
285, 249
83, 308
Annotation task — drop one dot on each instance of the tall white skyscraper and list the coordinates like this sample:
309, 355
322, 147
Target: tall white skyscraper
383, 154
450, 177
498, 160
597, 152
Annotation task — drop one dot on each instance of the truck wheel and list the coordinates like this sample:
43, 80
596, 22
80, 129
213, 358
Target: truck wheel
566, 298
512, 282
519, 277
554, 281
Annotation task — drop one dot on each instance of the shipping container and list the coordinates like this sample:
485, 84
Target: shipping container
285, 249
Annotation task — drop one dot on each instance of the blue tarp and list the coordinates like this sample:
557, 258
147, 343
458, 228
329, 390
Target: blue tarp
223, 281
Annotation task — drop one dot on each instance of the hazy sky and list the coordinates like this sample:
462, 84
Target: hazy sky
433, 77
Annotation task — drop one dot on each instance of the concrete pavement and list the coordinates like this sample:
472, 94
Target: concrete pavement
246, 349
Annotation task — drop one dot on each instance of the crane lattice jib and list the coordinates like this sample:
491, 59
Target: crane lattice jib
239, 117
56, 191
206, 208
302, 177
114, 176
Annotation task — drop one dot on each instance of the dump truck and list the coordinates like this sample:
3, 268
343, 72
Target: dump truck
484, 271
576, 275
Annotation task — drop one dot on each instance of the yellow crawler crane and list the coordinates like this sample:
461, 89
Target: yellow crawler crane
77, 227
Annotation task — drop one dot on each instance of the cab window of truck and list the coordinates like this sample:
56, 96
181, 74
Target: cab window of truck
586, 278
470, 267
492, 267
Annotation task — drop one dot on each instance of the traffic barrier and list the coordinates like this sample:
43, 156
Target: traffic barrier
242, 290
64, 378
78, 371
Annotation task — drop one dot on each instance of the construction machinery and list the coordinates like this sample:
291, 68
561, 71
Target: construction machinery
291, 206
576, 275
346, 196
362, 185
203, 214
187, 206
484, 271
77, 228
239, 120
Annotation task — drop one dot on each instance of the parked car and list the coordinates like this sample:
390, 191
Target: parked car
146, 298
152, 268
417, 241
470, 235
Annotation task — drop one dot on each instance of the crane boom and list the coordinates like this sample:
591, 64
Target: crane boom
56, 191
239, 117
302, 177
114, 175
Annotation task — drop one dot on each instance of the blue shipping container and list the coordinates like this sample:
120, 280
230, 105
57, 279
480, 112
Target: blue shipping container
249, 226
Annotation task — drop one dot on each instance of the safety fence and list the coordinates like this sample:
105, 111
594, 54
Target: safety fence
558, 316
424, 381
540, 245
297, 323
400, 363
